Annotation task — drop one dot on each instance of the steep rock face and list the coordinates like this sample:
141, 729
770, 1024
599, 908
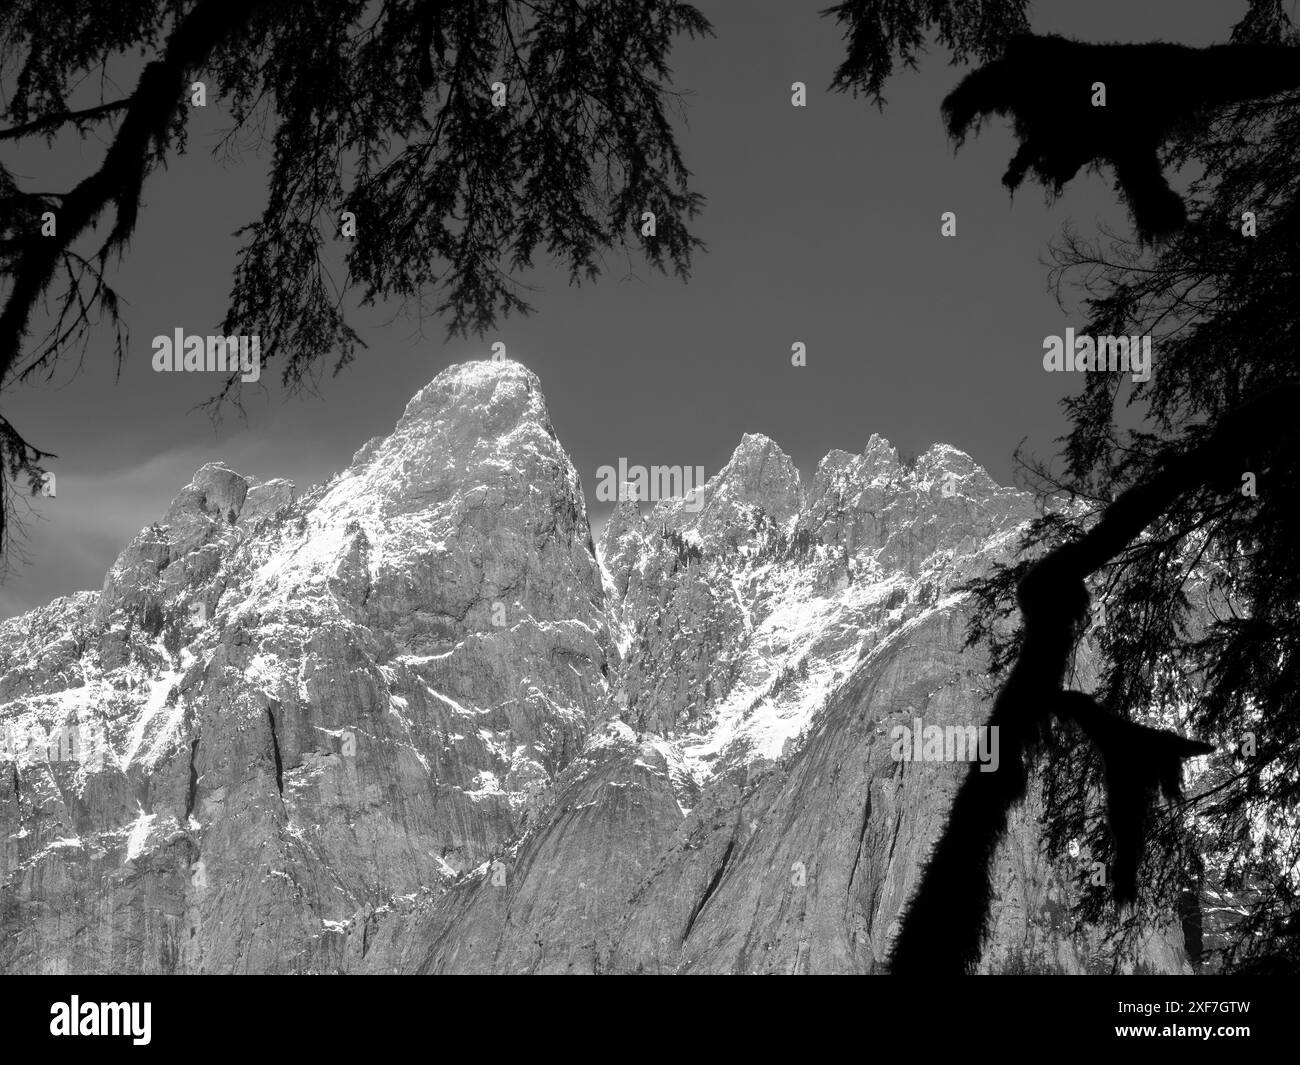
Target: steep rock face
305, 707
804, 866
548, 906
624, 541
772, 652
758, 477
408, 722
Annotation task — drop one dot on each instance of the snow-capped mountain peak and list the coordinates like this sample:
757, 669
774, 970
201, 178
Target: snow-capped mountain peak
408, 721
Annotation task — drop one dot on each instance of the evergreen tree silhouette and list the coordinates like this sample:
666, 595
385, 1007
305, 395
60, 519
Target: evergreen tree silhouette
1210, 274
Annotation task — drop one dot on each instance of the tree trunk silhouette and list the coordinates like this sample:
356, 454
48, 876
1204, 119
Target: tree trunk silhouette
945, 923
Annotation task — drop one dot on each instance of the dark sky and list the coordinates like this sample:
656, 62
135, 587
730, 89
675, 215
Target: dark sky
822, 225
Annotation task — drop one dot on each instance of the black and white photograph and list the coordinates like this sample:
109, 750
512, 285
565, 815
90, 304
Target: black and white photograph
638, 487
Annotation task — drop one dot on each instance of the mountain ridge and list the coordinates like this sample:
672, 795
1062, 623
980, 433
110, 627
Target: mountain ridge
415, 719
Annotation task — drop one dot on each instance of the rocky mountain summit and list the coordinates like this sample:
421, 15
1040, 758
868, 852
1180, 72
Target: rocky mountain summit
413, 720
